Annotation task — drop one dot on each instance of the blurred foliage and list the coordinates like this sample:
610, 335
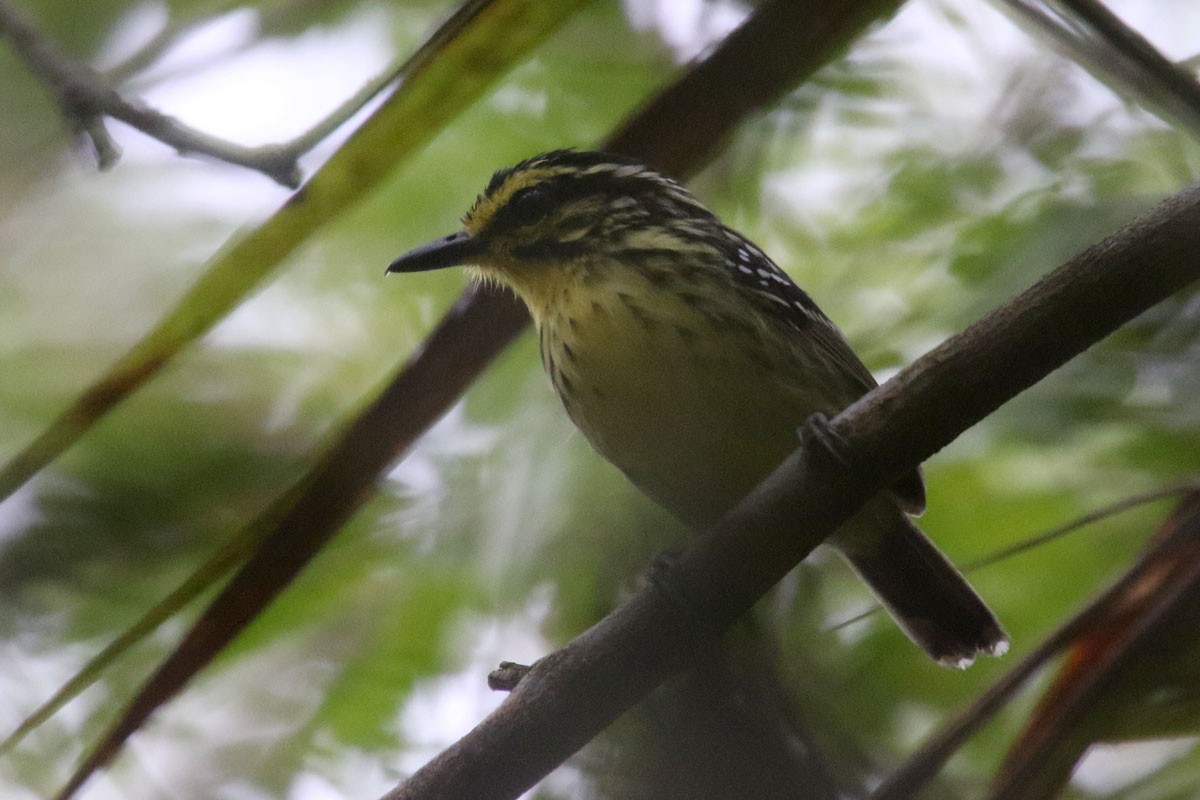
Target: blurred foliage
944, 163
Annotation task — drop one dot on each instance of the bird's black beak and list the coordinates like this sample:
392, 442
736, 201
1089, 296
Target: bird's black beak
449, 251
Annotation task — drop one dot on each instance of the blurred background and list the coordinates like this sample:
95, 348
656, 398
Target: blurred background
947, 160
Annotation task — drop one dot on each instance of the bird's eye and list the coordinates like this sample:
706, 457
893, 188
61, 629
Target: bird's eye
528, 205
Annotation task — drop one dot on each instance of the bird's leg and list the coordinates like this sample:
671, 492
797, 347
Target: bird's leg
819, 439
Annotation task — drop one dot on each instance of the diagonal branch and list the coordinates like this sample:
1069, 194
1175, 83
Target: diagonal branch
571, 695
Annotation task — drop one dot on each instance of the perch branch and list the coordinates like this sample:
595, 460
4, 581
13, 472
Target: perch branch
571, 695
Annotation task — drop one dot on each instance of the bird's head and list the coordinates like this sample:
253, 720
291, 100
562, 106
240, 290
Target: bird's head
564, 212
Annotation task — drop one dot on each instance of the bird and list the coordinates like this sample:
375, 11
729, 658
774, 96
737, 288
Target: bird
689, 359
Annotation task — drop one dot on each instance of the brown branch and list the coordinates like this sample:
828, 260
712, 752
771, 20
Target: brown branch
778, 46
573, 694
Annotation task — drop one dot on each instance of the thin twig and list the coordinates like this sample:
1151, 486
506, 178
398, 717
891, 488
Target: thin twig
86, 98
336, 118
1104, 512
179, 24
1082, 521
64, 78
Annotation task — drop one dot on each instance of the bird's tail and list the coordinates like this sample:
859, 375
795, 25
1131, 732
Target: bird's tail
921, 589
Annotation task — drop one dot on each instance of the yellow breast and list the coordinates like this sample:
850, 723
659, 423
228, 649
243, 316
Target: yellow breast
693, 411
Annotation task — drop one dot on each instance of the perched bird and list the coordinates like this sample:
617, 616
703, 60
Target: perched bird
689, 360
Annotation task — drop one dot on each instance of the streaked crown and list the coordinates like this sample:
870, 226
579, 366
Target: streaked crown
565, 204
